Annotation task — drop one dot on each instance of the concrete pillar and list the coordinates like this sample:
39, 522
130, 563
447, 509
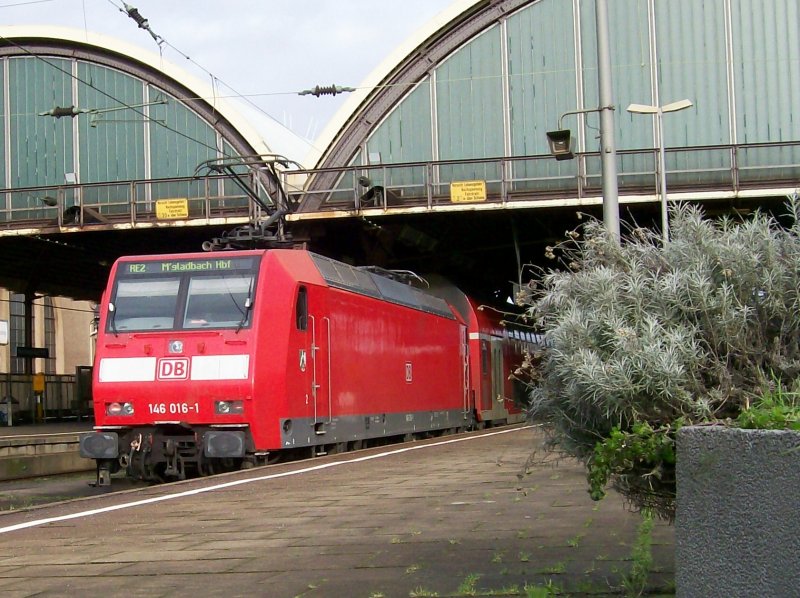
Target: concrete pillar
737, 523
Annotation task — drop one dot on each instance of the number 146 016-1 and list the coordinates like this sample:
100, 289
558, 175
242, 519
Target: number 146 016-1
173, 408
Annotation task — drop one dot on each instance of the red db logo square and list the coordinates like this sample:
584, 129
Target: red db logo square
176, 368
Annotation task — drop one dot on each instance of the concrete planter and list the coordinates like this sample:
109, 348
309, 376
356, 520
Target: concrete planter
737, 522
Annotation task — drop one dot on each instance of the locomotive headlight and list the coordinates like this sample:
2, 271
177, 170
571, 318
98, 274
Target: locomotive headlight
228, 407
119, 409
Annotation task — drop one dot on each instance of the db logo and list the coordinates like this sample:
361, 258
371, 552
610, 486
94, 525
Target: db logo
176, 368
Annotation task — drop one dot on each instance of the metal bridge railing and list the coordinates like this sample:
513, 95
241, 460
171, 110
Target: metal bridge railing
128, 202
726, 169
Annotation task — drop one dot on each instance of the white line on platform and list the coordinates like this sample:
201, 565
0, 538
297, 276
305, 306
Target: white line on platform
147, 501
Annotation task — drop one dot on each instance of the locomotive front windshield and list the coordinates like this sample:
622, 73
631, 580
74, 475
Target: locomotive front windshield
182, 295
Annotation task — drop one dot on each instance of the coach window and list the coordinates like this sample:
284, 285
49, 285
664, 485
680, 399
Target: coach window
485, 357
301, 309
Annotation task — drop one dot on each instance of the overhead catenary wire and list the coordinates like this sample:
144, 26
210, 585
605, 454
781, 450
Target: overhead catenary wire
161, 41
59, 307
15, 4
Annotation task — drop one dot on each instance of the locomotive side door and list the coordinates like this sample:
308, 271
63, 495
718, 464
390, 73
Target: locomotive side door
498, 380
486, 376
319, 357
468, 406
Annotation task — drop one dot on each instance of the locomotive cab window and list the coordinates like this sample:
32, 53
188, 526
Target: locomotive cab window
145, 304
218, 302
301, 309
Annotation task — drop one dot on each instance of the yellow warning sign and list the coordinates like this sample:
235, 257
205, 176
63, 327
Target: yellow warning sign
38, 383
172, 209
467, 191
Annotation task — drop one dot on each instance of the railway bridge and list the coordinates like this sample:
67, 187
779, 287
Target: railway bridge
411, 215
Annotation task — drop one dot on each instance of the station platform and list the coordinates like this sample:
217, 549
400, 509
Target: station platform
30, 450
464, 515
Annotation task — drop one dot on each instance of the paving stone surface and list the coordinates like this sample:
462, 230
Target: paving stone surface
461, 518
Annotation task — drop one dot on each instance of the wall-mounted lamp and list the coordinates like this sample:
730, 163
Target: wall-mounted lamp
49, 201
560, 143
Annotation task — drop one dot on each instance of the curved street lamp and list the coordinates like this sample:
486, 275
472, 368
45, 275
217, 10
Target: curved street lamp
659, 111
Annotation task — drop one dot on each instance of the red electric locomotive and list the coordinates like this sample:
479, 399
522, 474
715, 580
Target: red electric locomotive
212, 361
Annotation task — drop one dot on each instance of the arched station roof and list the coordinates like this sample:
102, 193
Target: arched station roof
98, 131
248, 131
489, 79
466, 104
410, 51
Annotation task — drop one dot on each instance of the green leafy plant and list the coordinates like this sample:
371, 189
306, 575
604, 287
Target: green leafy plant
642, 337
575, 541
560, 567
635, 582
643, 454
468, 585
421, 592
777, 409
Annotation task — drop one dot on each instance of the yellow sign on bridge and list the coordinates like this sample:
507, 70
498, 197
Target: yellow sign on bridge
467, 191
172, 209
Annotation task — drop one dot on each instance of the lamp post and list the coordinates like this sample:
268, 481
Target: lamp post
560, 141
659, 111
608, 147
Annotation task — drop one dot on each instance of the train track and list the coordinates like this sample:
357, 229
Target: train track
16, 495
40, 491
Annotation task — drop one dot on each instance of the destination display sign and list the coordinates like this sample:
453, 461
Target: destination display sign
183, 266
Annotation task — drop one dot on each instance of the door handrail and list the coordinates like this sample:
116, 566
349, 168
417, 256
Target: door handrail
330, 398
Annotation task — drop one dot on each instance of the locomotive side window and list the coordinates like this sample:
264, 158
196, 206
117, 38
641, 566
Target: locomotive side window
218, 301
145, 304
301, 309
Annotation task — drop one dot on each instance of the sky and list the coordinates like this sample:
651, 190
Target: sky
266, 50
